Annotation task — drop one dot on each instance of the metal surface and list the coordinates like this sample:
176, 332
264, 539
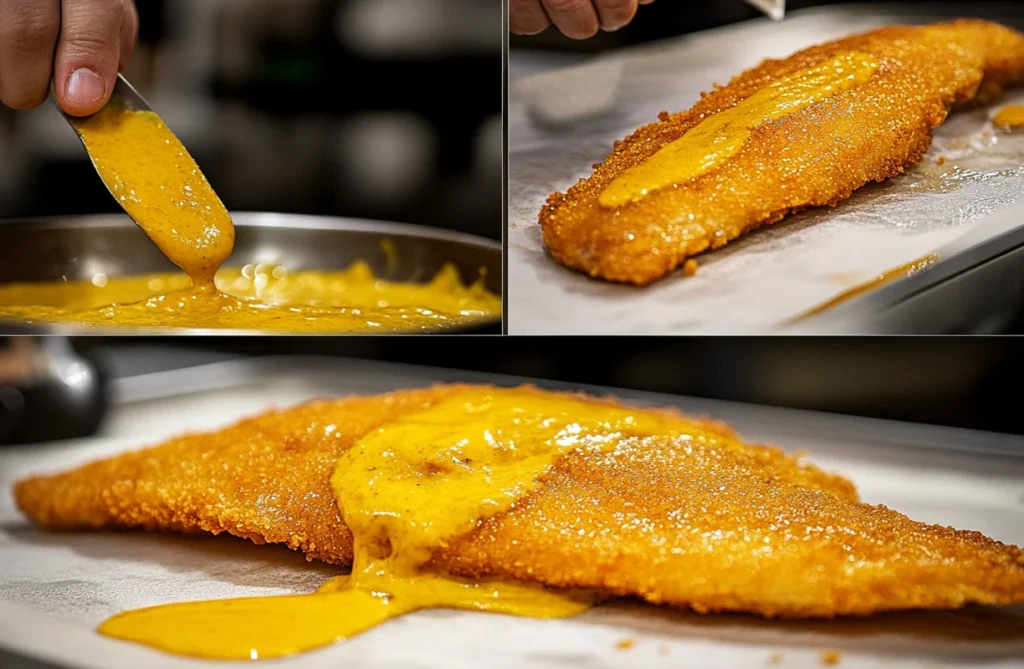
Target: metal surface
123, 94
55, 381
978, 286
77, 248
561, 122
775, 9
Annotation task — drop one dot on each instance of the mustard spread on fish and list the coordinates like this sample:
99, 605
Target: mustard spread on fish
721, 136
404, 491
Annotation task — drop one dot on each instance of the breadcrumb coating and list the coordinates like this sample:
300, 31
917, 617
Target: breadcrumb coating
712, 525
817, 156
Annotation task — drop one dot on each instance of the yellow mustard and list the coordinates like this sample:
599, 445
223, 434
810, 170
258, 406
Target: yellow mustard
258, 297
158, 183
1009, 117
406, 490
721, 136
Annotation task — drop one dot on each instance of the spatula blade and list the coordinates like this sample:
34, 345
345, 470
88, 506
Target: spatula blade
776, 9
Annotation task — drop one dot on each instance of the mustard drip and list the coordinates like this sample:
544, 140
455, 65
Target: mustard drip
721, 136
885, 278
405, 490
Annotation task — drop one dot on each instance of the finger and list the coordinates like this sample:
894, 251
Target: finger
646, 2
527, 17
129, 34
615, 14
88, 52
575, 18
28, 34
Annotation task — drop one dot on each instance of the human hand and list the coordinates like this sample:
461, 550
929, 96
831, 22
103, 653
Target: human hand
578, 19
80, 45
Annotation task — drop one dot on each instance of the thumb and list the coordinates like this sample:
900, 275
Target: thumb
88, 52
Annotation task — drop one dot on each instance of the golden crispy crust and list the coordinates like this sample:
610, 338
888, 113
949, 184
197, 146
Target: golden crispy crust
266, 478
816, 157
720, 526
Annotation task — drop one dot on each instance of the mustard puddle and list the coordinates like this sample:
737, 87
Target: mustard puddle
153, 177
721, 136
1011, 117
405, 490
257, 297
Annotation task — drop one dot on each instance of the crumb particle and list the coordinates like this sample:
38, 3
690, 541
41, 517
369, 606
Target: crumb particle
625, 644
830, 657
690, 267
941, 161
775, 658
663, 649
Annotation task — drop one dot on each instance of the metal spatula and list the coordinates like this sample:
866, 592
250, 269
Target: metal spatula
163, 145
124, 99
776, 9
123, 95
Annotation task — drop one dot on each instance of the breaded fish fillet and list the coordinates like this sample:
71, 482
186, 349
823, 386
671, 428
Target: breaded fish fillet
818, 155
709, 523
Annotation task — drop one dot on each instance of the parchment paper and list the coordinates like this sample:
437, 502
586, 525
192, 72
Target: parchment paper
562, 122
56, 587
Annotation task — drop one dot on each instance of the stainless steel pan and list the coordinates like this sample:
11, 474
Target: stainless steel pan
79, 247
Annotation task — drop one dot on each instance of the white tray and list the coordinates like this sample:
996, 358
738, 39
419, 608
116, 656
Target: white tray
55, 588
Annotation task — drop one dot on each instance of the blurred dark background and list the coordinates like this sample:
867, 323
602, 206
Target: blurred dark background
958, 382
384, 109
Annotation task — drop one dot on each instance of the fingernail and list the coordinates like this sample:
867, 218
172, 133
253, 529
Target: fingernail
84, 86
